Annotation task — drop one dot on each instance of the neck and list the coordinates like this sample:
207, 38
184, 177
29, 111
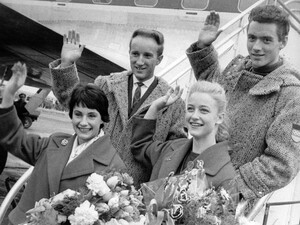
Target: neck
201, 144
265, 70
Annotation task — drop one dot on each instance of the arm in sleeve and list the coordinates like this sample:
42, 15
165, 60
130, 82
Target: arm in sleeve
63, 81
143, 147
177, 121
280, 161
14, 139
204, 62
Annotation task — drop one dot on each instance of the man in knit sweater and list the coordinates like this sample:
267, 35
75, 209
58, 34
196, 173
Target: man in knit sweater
263, 93
145, 53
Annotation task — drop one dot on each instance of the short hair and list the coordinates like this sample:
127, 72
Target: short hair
90, 96
157, 36
217, 92
22, 95
272, 14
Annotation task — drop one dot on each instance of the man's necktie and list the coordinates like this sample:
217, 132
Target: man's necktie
137, 94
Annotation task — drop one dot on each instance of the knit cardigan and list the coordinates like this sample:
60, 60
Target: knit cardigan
264, 116
170, 121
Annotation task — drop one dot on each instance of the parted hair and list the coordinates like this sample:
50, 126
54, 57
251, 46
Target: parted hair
217, 92
157, 36
90, 96
272, 14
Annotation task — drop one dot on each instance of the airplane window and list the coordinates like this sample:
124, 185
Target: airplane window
194, 4
244, 4
102, 1
147, 3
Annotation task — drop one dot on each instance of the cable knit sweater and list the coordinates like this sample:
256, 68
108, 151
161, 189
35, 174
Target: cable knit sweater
169, 123
264, 117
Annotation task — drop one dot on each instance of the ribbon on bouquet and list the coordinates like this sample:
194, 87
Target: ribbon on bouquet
156, 217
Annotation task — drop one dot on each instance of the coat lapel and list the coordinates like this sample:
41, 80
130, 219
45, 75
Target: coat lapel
100, 151
174, 158
56, 161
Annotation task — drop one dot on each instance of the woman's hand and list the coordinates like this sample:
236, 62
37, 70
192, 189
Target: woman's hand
162, 102
71, 49
17, 80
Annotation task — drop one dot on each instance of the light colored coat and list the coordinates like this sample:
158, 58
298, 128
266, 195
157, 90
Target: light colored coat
49, 157
170, 121
263, 113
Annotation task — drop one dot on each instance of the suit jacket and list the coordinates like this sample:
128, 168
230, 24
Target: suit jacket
166, 157
170, 121
49, 157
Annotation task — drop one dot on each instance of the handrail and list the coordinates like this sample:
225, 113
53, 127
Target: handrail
283, 5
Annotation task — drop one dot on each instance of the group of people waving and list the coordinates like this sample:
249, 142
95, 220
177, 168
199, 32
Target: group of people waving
244, 122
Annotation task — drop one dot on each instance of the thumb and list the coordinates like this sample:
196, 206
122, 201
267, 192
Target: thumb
81, 48
219, 32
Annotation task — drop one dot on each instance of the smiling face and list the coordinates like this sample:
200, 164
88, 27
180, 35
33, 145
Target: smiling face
202, 116
86, 123
263, 44
144, 57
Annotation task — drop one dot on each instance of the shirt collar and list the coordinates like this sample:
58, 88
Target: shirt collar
147, 83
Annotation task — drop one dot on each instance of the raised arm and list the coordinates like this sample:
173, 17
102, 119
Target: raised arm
201, 54
63, 71
16, 81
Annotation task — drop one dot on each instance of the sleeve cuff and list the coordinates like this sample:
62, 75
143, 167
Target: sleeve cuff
6, 110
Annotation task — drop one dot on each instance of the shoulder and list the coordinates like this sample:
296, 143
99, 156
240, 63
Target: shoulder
60, 139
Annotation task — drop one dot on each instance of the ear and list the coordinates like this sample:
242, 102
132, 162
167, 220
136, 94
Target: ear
159, 59
283, 42
220, 118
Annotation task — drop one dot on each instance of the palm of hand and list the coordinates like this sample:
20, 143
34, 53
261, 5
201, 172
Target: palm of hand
71, 52
208, 34
18, 77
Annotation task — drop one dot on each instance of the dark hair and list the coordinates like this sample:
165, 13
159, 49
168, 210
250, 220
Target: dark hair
272, 14
90, 96
22, 95
154, 34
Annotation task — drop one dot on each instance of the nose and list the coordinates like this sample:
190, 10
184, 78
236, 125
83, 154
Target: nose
140, 60
257, 45
195, 115
83, 121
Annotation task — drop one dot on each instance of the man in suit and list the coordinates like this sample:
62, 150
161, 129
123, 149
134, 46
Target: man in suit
129, 93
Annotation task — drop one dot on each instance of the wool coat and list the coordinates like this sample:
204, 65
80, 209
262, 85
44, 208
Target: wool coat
264, 120
170, 121
167, 157
49, 156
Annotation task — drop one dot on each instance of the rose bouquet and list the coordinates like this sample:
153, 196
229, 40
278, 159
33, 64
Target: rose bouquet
109, 198
187, 199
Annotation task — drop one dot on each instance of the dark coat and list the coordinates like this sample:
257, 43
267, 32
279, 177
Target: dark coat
49, 157
165, 157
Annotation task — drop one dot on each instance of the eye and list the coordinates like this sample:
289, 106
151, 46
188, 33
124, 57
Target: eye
148, 55
190, 109
134, 54
267, 40
204, 110
92, 115
77, 114
251, 38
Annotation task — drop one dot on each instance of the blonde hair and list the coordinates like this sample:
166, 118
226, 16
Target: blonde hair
217, 92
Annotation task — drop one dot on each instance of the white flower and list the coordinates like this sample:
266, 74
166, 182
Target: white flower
112, 182
97, 185
62, 195
114, 201
85, 214
224, 194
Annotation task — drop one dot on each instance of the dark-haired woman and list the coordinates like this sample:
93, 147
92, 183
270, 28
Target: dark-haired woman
61, 161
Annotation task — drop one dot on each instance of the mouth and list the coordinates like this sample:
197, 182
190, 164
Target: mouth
257, 55
196, 125
140, 69
84, 130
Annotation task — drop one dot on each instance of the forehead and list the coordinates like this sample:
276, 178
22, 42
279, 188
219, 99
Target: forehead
80, 107
201, 99
263, 29
141, 43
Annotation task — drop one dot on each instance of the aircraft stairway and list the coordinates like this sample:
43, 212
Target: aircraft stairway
232, 42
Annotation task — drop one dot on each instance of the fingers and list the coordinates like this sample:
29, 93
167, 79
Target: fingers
72, 38
19, 68
213, 19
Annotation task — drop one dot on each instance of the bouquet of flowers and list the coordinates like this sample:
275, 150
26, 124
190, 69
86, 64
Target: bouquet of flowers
109, 198
187, 199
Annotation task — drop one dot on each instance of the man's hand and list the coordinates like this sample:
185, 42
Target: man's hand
162, 102
71, 49
209, 32
17, 80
